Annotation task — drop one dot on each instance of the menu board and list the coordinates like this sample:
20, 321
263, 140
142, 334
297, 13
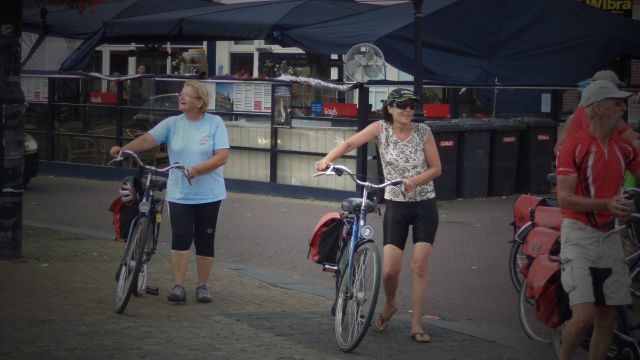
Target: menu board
35, 89
252, 97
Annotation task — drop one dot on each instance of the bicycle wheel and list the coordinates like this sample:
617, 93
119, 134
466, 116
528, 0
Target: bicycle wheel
516, 259
131, 264
355, 307
530, 325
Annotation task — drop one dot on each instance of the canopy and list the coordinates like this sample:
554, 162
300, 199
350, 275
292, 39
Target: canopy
484, 43
238, 21
71, 23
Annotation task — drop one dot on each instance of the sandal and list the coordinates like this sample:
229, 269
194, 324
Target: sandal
381, 322
420, 337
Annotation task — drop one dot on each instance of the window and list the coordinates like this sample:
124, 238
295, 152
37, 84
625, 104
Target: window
241, 64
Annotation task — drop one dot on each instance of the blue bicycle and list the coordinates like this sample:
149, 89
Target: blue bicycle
358, 268
142, 240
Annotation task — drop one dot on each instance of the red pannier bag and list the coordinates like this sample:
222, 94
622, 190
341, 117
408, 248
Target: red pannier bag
539, 241
324, 240
522, 209
543, 284
548, 216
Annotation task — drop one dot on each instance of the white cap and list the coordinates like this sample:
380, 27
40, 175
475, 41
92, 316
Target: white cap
599, 90
608, 75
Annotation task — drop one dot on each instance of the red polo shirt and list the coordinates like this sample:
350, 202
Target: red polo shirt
600, 171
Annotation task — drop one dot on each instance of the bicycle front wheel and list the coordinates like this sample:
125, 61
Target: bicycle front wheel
131, 264
357, 297
533, 328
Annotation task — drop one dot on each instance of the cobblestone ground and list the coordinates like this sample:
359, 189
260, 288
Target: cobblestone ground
57, 302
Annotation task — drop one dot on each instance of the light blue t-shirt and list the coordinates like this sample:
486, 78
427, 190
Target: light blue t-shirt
190, 143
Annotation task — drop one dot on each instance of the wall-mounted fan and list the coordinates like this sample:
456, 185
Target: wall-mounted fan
364, 62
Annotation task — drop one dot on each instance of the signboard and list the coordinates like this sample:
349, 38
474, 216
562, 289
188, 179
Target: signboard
339, 109
436, 110
97, 97
316, 108
281, 112
623, 7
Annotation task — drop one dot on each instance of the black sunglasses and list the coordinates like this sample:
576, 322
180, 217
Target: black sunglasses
404, 106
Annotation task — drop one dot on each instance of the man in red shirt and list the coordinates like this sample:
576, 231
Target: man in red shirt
579, 118
590, 169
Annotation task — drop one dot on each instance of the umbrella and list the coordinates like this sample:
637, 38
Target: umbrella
238, 21
470, 42
70, 23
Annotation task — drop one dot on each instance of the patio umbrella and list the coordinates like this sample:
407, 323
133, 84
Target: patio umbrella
71, 23
470, 42
237, 21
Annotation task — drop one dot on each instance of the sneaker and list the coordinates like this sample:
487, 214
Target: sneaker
178, 294
202, 294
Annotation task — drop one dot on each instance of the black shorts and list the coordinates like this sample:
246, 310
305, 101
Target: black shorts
194, 224
422, 216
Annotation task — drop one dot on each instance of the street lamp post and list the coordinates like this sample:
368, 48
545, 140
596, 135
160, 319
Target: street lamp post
417, 58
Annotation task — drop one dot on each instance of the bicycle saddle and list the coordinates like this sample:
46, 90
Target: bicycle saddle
352, 205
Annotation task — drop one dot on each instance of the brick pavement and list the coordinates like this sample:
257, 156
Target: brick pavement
57, 303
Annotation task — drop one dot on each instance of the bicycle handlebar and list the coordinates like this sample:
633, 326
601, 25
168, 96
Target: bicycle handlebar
339, 170
124, 154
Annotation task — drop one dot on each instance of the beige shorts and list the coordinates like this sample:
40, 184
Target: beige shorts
594, 269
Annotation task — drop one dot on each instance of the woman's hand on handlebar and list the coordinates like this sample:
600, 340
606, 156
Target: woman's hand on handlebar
409, 185
322, 165
115, 151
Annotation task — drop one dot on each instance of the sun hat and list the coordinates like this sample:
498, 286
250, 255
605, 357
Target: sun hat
400, 95
608, 75
599, 90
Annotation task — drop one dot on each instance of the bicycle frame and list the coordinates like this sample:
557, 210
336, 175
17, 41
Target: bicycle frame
359, 222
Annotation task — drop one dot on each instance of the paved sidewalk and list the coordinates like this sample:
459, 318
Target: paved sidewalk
57, 303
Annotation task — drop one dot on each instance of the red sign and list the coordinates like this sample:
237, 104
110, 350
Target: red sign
257, 105
97, 97
436, 110
509, 139
339, 109
447, 143
543, 137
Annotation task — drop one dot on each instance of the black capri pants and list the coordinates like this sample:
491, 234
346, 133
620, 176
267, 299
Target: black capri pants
421, 215
194, 223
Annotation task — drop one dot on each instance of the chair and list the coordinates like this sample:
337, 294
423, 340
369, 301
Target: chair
80, 150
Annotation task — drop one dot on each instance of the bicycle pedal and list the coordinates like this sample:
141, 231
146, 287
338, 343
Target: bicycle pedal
152, 290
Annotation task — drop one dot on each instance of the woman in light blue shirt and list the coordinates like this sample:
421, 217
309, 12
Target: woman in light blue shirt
199, 141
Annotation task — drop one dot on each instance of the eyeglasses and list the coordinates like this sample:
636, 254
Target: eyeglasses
404, 106
180, 94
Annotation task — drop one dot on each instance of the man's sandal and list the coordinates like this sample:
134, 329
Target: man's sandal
381, 322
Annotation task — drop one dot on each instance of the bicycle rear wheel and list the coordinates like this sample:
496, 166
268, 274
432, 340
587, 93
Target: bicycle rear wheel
355, 306
534, 329
131, 264
516, 259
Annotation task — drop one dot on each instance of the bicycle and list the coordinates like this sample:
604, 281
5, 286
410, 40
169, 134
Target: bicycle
358, 267
142, 240
623, 346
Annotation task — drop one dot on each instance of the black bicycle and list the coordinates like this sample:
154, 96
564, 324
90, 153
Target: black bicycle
142, 240
358, 269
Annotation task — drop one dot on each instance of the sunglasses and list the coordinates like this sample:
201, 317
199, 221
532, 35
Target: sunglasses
404, 106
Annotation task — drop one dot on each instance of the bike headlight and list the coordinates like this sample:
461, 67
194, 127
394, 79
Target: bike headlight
144, 206
367, 232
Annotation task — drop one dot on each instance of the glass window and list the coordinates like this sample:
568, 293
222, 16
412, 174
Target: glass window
241, 64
